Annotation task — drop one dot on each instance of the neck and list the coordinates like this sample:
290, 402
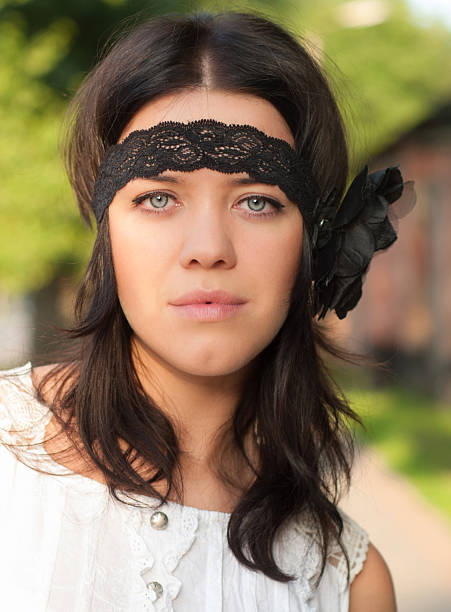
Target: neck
199, 407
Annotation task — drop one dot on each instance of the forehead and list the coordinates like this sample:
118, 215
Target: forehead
228, 107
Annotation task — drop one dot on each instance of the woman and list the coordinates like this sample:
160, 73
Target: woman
188, 454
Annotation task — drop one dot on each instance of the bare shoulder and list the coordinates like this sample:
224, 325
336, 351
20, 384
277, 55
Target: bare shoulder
39, 373
372, 589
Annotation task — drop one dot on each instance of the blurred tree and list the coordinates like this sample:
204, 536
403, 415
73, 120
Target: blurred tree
398, 72
39, 231
388, 80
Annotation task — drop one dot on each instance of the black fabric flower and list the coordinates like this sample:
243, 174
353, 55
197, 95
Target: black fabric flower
345, 238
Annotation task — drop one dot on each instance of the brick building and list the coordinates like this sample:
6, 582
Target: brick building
405, 312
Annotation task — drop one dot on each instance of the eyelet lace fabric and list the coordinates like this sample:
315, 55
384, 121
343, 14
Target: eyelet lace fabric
356, 540
204, 143
26, 424
68, 545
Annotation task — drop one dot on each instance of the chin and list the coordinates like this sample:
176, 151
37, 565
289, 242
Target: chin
219, 365
200, 356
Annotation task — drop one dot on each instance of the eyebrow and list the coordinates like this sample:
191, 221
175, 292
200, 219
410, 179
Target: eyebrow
234, 181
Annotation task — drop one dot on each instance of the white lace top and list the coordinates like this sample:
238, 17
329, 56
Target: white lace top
67, 546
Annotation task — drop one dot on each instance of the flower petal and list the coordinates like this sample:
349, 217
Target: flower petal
354, 200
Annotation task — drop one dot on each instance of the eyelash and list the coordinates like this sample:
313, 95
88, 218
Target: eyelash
278, 206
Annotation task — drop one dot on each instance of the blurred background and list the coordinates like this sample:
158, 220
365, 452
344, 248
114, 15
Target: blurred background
389, 63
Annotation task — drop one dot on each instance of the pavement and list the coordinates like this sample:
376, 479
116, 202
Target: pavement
413, 537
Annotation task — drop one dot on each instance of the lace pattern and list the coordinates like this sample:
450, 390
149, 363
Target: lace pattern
298, 554
110, 553
355, 540
23, 420
308, 566
205, 143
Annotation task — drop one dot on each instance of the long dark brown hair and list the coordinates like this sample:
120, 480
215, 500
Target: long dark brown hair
297, 413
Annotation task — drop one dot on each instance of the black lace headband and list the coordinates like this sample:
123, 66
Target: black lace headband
205, 143
344, 236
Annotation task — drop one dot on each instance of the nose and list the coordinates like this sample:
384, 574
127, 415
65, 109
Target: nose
208, 238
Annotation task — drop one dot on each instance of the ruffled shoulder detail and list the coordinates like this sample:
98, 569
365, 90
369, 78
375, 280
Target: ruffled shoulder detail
298, 553
22, 418
303, 556
355, 541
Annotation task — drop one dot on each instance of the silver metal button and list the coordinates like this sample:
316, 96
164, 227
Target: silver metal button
159, 520
156, 588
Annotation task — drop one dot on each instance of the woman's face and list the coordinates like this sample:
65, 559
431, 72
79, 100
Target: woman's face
203, 231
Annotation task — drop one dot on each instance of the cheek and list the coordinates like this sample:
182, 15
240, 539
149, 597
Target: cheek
277, 260
140, 265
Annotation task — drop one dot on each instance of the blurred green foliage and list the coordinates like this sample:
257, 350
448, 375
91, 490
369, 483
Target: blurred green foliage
40, 231
387, 77
398, 73
413, 434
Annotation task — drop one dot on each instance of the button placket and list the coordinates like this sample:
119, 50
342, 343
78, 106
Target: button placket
158, 582
158, 521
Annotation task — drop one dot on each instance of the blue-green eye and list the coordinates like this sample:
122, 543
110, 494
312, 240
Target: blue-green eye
258, 203
158, 201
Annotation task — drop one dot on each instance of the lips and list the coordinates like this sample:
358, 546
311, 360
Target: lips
201, 296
